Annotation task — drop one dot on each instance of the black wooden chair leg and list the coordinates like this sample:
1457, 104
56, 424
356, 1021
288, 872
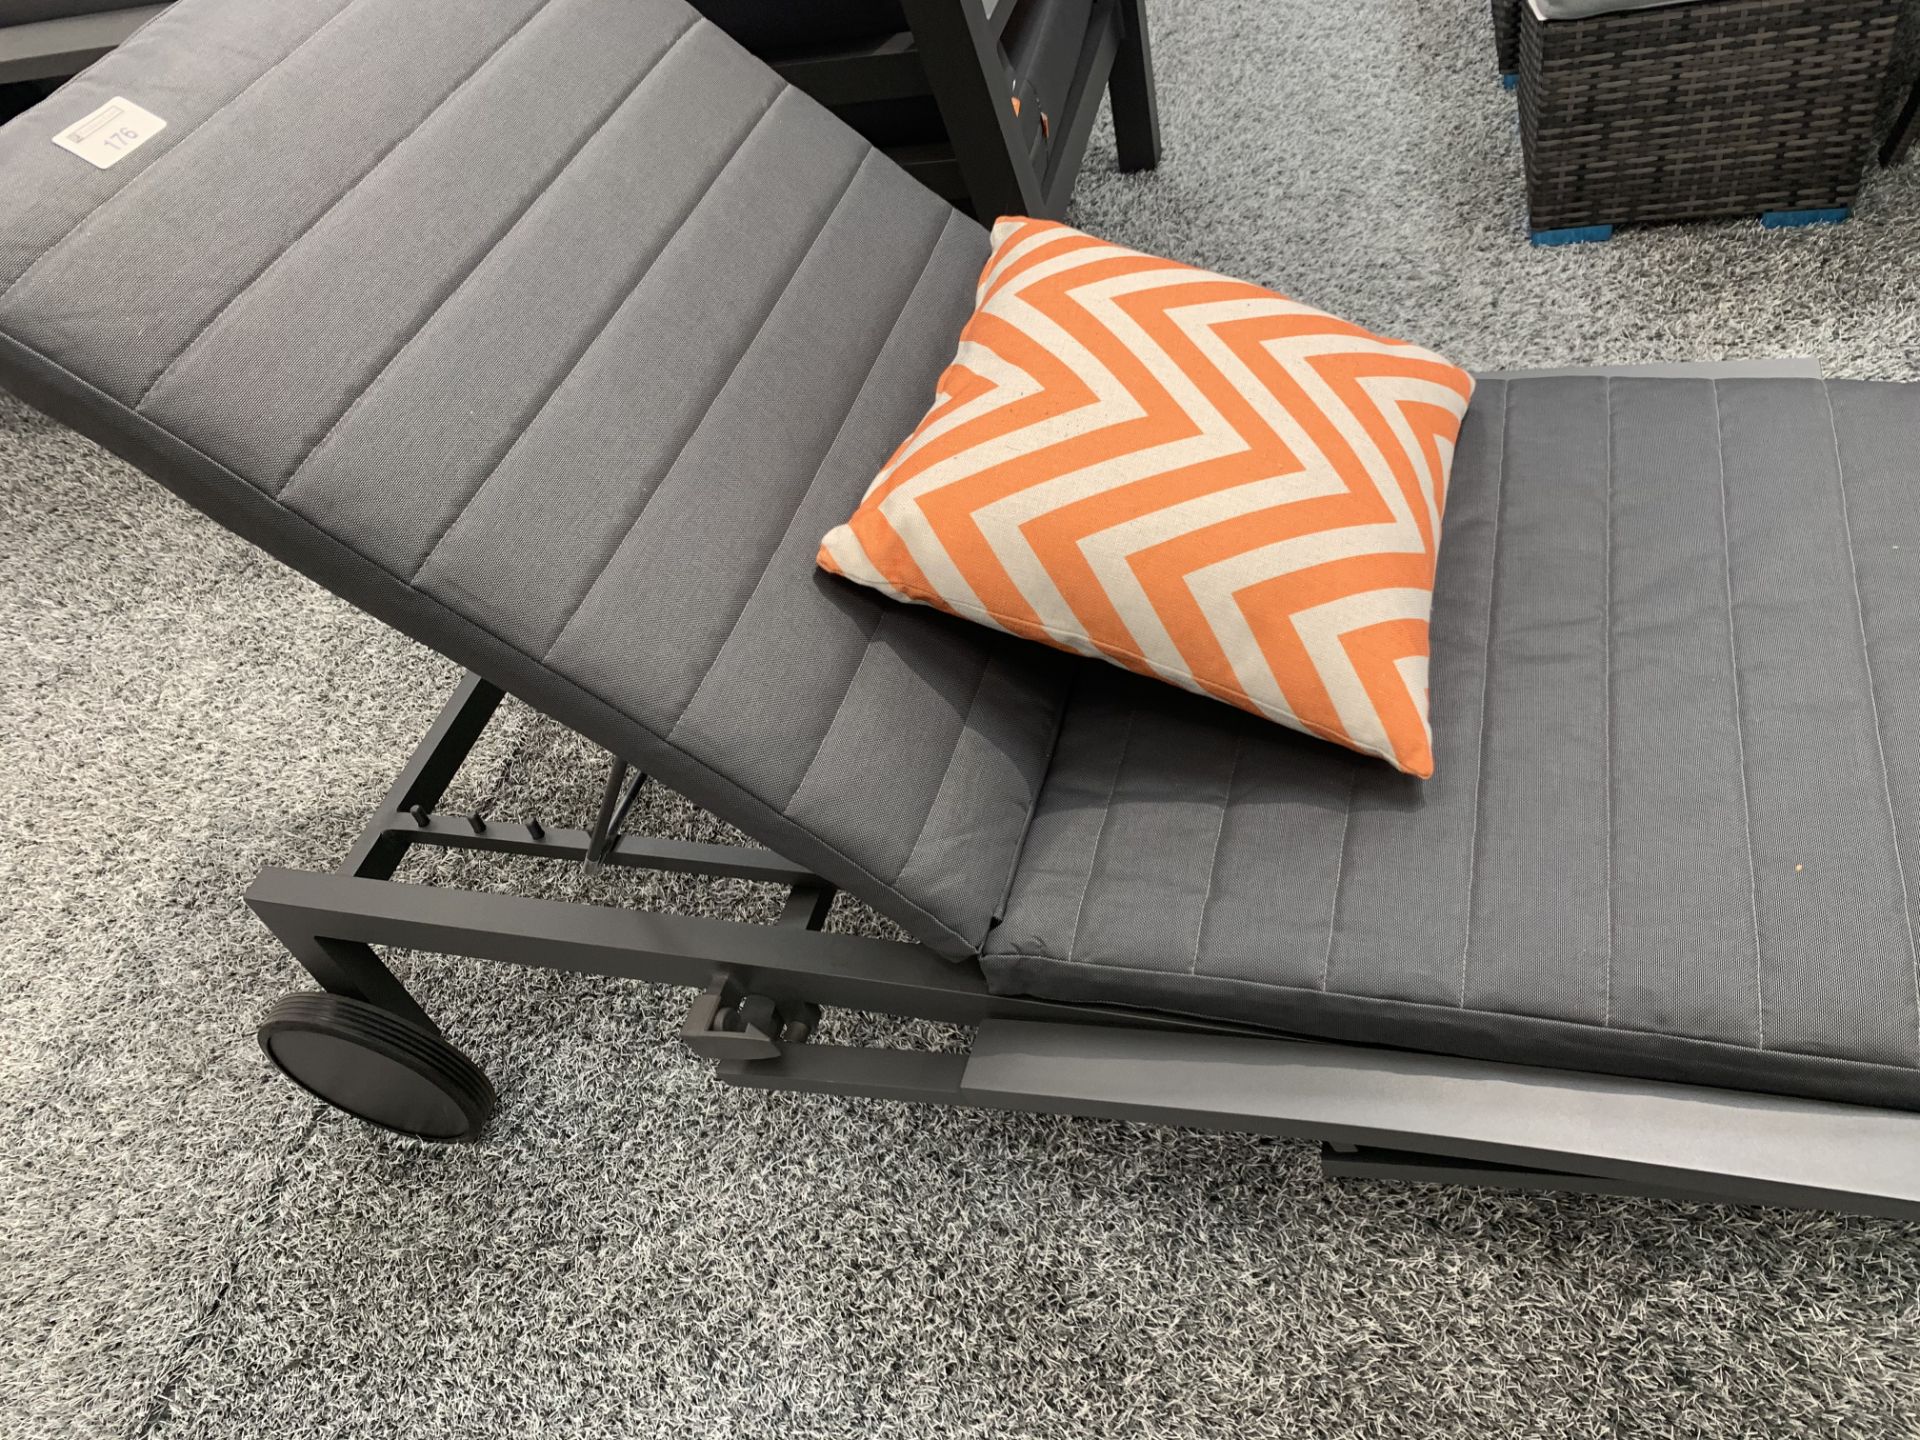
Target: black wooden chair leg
1136, 114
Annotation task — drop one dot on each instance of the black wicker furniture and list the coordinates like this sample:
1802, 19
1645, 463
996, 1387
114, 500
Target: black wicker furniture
1506, 39
1652, 110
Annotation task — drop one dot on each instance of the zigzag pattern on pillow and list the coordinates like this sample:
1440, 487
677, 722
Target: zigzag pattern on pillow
1191, 476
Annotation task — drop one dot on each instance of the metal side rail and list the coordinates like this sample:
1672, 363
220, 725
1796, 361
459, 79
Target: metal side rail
365, 1045
1397, 1115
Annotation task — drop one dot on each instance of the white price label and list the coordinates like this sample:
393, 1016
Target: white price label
111, 133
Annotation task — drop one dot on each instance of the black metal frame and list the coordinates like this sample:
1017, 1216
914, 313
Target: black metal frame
953, 53
66, 45
1900, 139
1379, 1113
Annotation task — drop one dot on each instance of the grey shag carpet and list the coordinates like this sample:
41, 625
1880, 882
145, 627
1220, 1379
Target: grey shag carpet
188, 1247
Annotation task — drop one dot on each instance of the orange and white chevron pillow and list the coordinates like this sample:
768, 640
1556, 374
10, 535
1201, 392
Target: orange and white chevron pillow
1191, 476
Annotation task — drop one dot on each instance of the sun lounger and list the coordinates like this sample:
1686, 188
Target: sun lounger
556, 335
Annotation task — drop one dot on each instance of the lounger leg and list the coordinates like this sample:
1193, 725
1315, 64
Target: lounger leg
342, 967
363, 1044
1136, 113
351, 969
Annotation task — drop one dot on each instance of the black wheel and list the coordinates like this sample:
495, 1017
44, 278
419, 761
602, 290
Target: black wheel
376, 1066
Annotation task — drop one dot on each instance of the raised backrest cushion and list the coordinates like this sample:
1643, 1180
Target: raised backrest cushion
553, 332
1190, 476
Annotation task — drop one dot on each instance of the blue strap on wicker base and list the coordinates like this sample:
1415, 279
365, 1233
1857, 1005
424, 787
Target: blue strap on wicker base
1783, 219
1509, 80
1574, 235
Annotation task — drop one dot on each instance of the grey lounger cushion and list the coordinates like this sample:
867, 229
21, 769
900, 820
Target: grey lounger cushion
558, 334
1673, 795
555, 334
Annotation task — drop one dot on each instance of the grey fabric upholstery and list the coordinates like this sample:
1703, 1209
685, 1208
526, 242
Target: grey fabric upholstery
1676, 705
555, 332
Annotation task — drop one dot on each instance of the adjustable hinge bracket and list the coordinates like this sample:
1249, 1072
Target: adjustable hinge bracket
725, 1023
